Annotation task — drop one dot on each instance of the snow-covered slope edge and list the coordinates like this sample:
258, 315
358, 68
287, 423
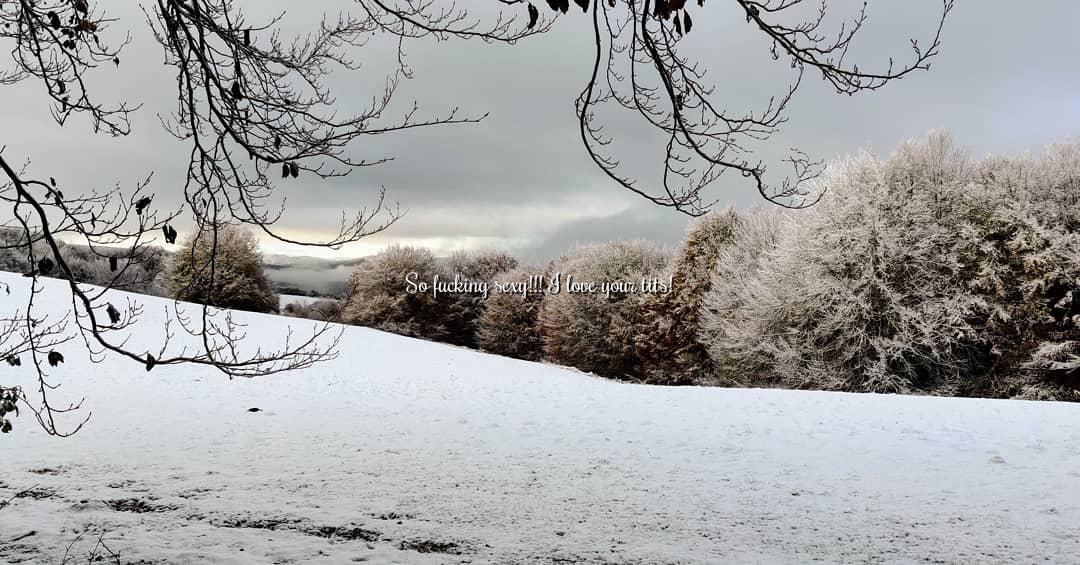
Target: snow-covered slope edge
408, 451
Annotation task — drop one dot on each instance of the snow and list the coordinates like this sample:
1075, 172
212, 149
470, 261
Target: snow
412, 444
286, 299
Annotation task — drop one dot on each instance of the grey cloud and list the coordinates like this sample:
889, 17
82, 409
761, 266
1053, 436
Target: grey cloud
639, 222
1004, 82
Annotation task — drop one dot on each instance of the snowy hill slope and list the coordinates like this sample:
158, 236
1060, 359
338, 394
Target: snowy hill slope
404, 451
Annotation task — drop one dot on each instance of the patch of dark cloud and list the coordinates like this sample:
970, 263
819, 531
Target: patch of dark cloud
639, 222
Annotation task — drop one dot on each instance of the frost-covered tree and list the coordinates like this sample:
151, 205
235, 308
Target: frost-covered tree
1029, 275
377, 295
13, 246
923, 272
460, 312
222, 269
861, 292
140, 274
382, 292
508, 325
479, 265
724, 308
144, 274
596, 331
1052, 184
668, 341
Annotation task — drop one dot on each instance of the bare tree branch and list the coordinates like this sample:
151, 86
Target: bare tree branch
241, 90
637, 67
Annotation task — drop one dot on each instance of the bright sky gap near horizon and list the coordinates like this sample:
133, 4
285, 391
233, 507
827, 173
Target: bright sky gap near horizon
520, 180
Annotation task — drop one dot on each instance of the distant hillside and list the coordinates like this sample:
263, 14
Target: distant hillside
307, 275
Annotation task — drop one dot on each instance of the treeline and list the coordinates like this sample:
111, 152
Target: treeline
926, 272
103, 266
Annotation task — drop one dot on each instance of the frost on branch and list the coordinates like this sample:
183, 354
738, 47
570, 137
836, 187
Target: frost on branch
923, 272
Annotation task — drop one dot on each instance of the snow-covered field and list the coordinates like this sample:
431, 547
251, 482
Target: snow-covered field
404, 451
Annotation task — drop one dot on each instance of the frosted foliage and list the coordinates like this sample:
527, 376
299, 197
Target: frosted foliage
224, 271
855, 293
594, 332
461, 312
726, 306
924, 271
377, 298
482, 264
668, 341
508, 323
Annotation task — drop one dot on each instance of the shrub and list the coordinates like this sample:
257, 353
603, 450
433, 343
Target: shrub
379, 296
668, 342
480, 265
235, 265
508, 324
1056, 371
593, 331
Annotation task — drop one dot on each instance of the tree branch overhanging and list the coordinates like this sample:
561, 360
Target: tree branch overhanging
638, 68
241, 89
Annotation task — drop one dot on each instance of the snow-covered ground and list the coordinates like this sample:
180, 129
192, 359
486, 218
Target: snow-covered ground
404, 451
286, 299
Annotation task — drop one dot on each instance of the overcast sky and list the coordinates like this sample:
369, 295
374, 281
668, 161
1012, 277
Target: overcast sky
1006, 81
